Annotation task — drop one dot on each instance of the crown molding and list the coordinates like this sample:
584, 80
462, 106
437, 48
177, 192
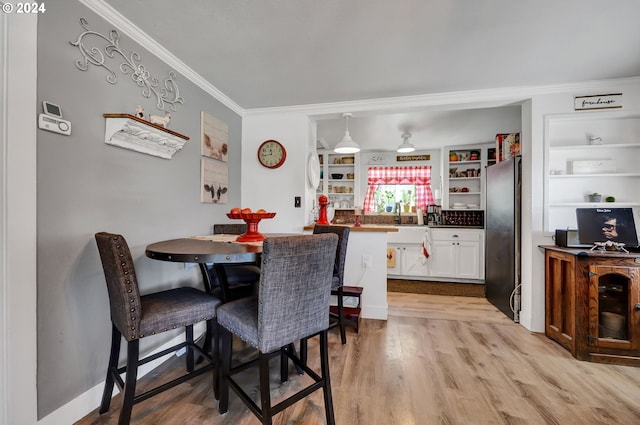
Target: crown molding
127, 27
451, 100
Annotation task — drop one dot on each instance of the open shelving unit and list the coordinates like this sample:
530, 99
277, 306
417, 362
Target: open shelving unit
345, 190
600, 138
457, 166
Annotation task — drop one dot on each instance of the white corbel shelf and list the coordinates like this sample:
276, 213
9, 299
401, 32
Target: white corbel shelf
130, 132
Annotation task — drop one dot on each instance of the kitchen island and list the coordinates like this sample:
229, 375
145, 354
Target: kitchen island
366, 266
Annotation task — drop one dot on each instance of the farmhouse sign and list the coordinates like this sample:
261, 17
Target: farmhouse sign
601, 101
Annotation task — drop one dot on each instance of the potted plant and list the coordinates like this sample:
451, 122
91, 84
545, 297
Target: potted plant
406, 200
595, 197
390, 198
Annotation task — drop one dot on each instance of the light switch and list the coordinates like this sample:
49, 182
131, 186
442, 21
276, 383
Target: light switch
297, 202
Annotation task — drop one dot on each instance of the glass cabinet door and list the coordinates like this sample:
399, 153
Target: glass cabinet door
613, 307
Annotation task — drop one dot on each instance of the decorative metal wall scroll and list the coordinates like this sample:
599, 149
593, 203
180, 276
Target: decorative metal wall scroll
166, 94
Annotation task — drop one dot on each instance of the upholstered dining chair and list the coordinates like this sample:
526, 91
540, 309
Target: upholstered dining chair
292, 304
241, 278
337, 283
134, 316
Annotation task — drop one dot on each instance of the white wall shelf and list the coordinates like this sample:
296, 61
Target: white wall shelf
130, 132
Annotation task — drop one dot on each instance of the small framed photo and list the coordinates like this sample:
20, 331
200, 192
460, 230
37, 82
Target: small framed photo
215, 137
214, 181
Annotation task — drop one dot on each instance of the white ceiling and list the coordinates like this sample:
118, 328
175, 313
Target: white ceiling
271, 53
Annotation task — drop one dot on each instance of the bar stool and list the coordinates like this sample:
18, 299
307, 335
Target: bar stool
292, 304
134, 316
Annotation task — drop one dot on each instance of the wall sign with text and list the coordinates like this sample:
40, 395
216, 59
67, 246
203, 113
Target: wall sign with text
601, 101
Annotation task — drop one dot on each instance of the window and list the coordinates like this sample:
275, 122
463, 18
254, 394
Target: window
387, 195
385, 183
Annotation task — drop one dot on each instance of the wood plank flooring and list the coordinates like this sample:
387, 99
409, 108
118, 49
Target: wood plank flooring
437, 360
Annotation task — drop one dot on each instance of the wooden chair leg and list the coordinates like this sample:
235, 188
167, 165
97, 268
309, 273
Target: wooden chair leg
129, 392
225, 365
303, 351
265, 393
116, 339
213, 331
188, 336
324, 369
343, 334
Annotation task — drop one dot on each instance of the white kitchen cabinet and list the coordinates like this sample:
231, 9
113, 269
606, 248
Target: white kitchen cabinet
409, 261
587, 152
412, 261
456, 253
406, 247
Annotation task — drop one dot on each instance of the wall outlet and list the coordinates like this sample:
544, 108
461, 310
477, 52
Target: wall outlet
366, 261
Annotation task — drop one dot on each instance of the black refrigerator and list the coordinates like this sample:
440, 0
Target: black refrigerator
502, 235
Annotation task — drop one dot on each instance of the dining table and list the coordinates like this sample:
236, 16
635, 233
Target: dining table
216, 250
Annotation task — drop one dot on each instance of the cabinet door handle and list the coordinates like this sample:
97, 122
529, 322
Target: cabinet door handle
636, 307
591, 274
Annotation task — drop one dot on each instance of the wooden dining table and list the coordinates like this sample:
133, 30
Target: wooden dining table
217, 250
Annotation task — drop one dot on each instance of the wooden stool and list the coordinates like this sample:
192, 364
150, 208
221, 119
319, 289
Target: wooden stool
351, 314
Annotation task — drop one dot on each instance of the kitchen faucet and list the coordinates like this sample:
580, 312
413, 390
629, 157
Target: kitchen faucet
397, 217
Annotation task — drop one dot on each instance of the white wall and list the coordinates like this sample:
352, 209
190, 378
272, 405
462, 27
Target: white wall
18, 220
275, 189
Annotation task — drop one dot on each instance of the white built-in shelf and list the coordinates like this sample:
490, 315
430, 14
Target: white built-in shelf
574, 176
464, 193
617, 204
451, 163
594, 147
464, 178
130, 132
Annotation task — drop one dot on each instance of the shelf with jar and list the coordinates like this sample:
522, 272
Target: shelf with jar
339, 178
463, 181
587, 154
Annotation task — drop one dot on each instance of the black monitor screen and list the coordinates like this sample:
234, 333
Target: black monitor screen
606, 224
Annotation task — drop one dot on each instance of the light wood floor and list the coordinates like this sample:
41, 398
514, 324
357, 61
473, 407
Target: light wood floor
437, 360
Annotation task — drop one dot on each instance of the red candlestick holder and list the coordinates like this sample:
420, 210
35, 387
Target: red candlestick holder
357, 221
323, 201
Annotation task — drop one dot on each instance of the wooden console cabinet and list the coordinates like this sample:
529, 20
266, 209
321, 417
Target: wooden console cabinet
593, 303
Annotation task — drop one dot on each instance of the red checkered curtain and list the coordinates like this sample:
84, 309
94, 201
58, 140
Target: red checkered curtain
418, 175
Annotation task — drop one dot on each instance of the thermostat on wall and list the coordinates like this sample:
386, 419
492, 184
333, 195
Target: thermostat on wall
51, 119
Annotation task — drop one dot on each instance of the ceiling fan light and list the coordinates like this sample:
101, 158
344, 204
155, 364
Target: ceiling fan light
406, 146
347, 144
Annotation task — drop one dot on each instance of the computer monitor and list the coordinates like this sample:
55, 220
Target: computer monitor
606, 224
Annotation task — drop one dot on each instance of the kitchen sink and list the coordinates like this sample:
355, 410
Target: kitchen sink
407, 233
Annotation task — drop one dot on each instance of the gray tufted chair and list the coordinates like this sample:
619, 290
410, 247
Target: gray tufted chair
292, 304
134, 316
241, 278
337, 283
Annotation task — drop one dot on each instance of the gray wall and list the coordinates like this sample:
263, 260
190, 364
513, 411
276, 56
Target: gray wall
86, 186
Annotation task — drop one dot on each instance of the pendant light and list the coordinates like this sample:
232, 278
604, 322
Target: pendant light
347, 145
406, 147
